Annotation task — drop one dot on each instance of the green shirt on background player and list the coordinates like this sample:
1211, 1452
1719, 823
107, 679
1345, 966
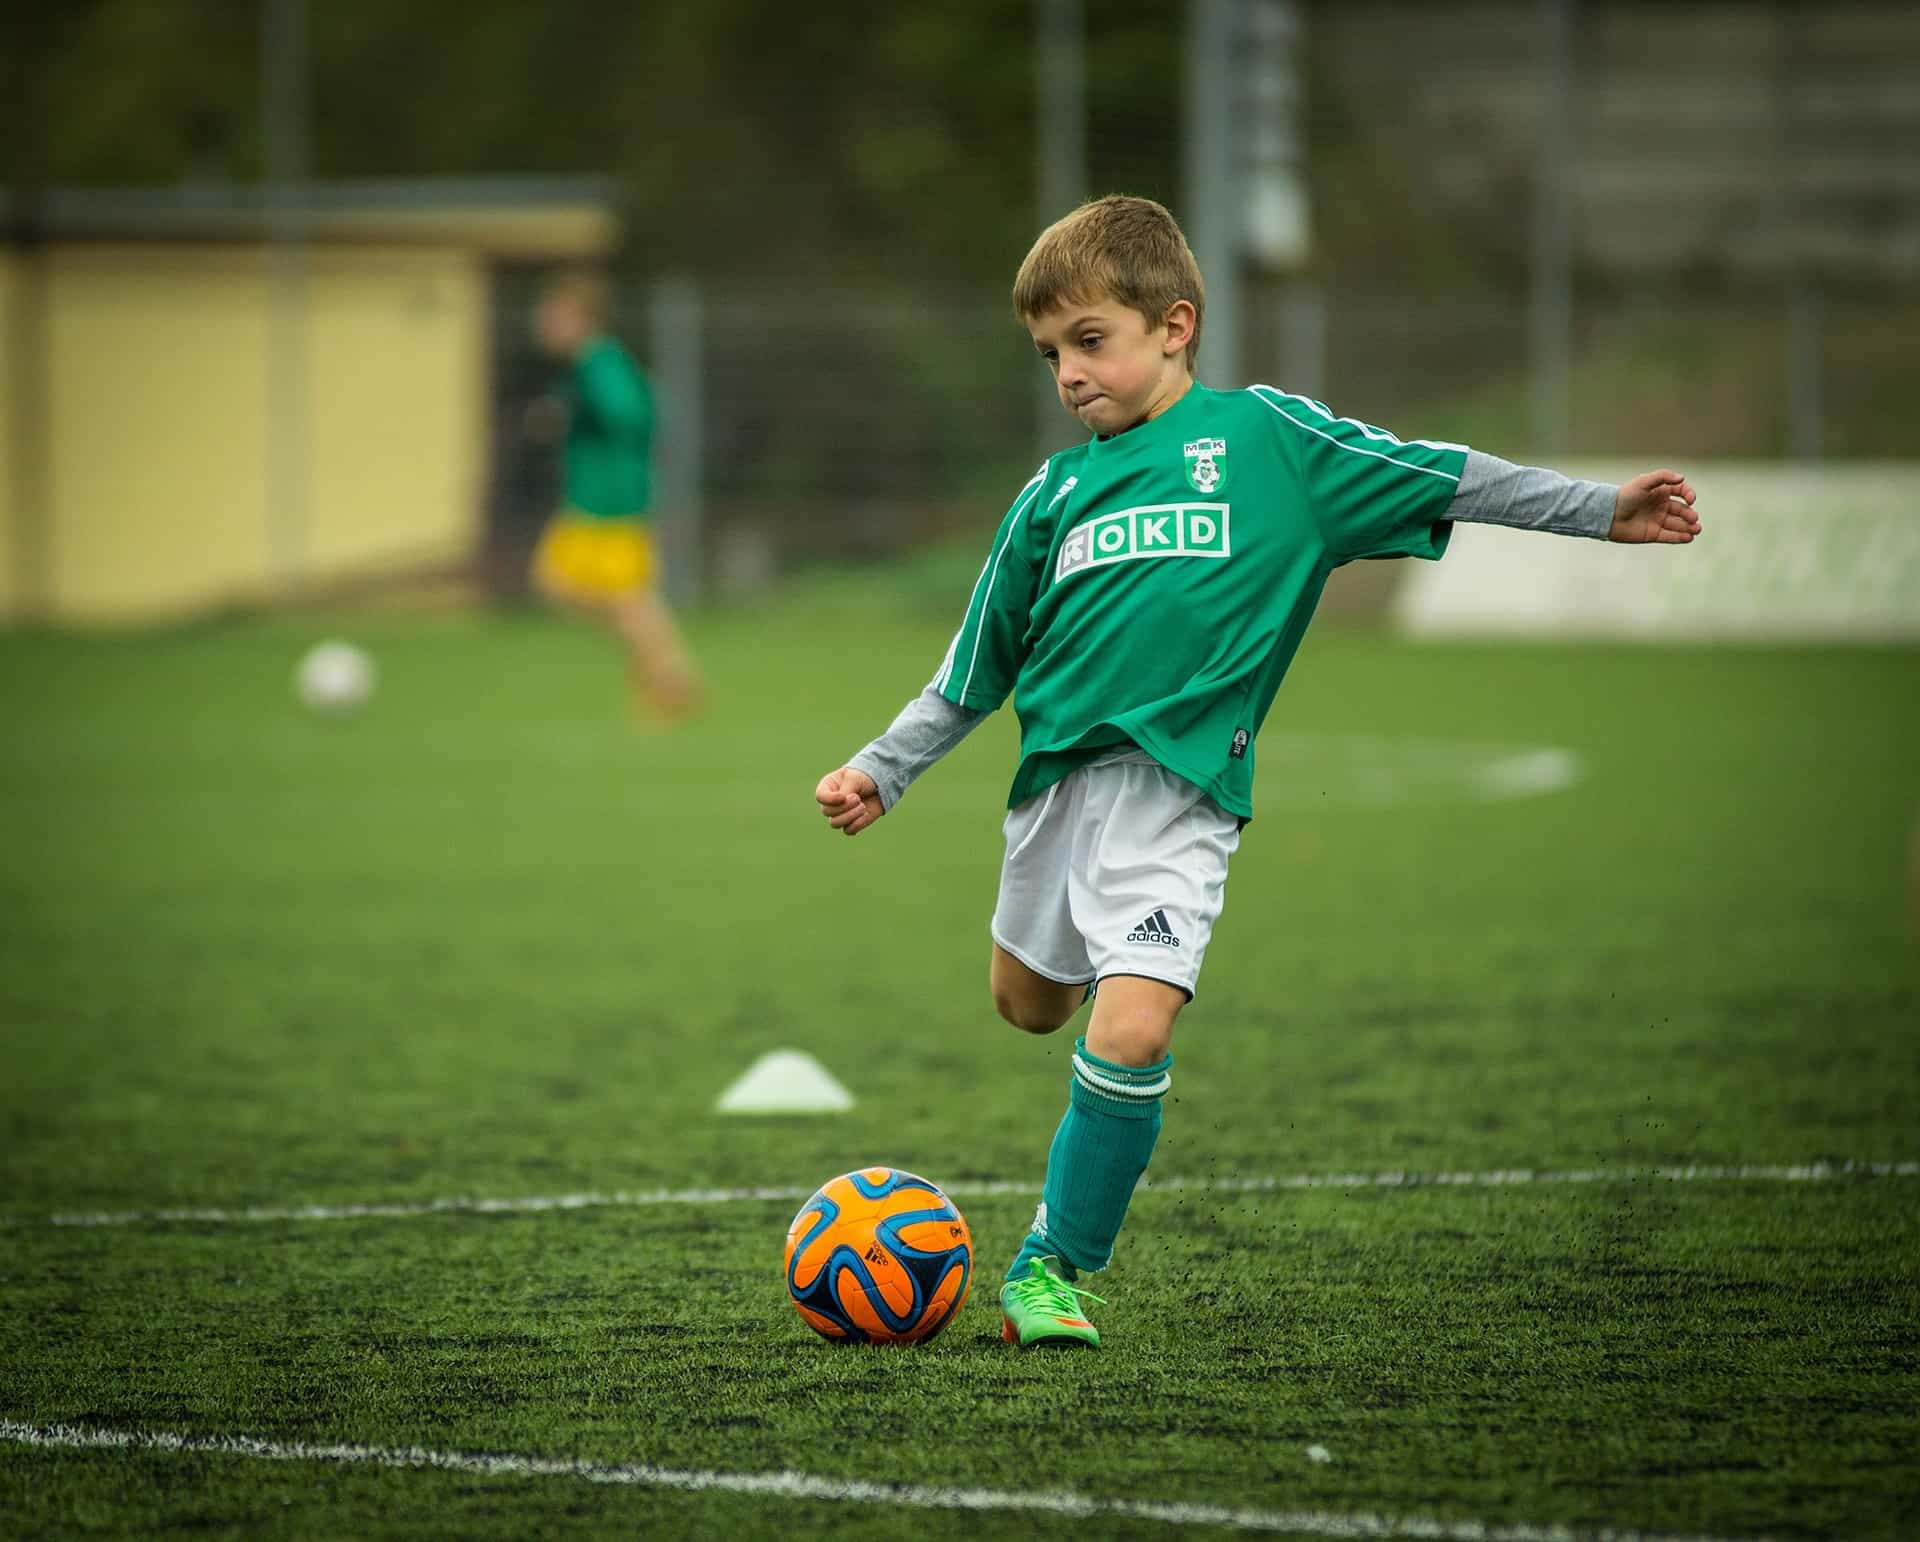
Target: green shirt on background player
606, 470
1141, 601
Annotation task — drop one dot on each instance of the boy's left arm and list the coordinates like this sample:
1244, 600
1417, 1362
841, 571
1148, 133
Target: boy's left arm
1653, 508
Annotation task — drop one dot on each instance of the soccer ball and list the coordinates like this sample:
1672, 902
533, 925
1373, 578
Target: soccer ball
334, 678
878, 1256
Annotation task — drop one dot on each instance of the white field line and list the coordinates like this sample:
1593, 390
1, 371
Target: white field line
529, 1204
800, 1485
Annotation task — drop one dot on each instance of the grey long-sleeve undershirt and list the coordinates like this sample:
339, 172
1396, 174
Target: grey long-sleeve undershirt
1491, 492
1497, 492
927, 727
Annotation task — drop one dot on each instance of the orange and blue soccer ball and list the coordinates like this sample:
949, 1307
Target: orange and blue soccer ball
878, 1256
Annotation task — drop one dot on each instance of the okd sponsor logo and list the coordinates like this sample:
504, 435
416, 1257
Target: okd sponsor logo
1134, 535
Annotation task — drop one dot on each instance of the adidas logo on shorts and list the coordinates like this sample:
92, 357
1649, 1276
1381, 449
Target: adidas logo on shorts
1156, 928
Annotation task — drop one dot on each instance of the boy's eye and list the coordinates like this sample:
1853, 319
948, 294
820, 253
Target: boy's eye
1090, 342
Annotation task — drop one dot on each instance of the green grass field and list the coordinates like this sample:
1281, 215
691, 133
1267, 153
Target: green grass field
490, 940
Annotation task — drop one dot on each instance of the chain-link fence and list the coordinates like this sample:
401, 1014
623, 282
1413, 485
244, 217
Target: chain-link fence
856, 422
1550, 228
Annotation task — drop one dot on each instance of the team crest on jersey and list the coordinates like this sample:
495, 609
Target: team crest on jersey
1206, 464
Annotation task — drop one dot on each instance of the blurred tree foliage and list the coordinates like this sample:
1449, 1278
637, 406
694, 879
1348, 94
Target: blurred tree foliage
748, 136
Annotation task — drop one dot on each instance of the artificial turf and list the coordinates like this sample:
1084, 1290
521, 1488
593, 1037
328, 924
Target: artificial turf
489, 938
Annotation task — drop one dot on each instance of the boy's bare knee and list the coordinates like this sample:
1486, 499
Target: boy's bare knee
1133, 1020
1028, 1015
1028, 1000
1132, 1043
561, 595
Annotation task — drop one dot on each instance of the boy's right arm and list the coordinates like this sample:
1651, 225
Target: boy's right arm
868, 785
975, 677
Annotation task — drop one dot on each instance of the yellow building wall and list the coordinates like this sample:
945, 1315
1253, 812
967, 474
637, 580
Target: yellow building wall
398, 354
159, 428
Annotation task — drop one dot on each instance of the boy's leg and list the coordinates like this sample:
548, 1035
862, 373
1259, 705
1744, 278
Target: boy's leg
1121, 1071
550, 581
660, 656
1029, 1000
1133, 1020
1146, 879
1040, 972
571, 601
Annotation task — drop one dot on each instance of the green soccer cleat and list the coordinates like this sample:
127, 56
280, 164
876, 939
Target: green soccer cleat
1041, 1309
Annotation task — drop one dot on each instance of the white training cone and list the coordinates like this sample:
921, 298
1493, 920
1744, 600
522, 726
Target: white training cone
785, 1081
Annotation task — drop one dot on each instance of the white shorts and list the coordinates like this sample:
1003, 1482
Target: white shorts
1120, 868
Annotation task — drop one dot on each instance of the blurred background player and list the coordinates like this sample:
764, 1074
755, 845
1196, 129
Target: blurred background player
598, 555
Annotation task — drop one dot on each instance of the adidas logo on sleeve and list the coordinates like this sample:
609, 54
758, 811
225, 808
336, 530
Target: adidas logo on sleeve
1156, 928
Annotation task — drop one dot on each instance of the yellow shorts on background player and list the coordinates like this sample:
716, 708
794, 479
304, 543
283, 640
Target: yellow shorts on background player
597, 554
601, 558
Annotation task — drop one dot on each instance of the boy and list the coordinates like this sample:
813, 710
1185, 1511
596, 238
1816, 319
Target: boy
596, 555
1142, 600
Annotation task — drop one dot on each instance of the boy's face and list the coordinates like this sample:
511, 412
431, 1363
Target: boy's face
1112, 370
561, 325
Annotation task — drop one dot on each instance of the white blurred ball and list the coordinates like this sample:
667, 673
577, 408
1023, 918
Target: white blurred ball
334, 678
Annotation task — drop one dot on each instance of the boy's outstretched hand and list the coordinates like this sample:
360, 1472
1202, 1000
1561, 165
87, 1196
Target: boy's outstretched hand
1656, 506
848, 799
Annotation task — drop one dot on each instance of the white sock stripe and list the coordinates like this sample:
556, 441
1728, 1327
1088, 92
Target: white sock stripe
1113, 1087
789, 1484
986, 1188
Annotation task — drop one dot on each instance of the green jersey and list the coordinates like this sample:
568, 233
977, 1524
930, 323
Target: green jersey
1151, 588
609, 433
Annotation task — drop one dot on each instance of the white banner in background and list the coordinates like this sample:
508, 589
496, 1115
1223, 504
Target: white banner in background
1792, 550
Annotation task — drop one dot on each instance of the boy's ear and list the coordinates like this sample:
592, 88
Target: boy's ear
1179, 321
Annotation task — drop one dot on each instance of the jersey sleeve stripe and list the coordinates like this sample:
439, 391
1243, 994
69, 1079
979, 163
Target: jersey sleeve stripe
945, 672
1377, 434
1367, 430
989, 575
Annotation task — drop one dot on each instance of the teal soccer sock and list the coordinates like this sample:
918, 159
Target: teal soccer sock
1098, 1154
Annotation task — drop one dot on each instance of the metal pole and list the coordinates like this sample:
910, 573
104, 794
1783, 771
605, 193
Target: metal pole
1806, 342
1060, 153
1806, 368
1270, 129
1270, 132
25, 441
1214, 184
676, 342
285, 115
1303, 338
1550, 311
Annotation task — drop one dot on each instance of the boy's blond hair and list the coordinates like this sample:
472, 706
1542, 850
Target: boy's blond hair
1129, 250
584, 287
